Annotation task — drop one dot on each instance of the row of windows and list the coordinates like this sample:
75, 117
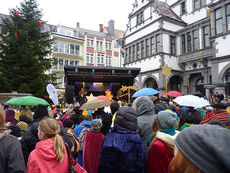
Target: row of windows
100, 59
67, 48
219, 19
143, 49
60, 63
90, 43
72, 33
190, 40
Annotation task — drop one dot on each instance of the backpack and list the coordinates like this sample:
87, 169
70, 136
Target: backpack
75, 146
81, 137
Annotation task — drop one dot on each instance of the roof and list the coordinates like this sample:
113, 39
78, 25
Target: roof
164, 9
101, 74
94, 33
117, 33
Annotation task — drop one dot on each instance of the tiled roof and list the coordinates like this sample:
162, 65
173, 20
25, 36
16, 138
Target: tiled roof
93, 33
117, 33
164, 9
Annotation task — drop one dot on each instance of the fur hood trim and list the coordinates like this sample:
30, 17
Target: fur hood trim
4, 133
167, 138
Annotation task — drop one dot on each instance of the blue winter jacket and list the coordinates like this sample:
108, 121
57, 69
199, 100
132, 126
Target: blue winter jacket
123, 150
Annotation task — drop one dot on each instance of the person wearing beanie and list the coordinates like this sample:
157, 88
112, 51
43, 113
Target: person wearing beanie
162, 141
22, 125
30, 136
93, 141
202, 148
145, 112
10, 117
15, 131
123, 149
192, 114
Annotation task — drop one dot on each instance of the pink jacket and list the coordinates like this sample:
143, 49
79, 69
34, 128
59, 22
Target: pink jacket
43, 159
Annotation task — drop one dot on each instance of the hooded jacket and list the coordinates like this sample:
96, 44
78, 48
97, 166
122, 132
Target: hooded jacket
123, 149
43, 159
159, 155
145, 111
10, 153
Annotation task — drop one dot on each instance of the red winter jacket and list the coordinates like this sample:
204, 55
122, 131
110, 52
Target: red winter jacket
43, 159
159, 155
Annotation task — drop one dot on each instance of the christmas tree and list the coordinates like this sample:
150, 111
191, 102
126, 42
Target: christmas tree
25, 51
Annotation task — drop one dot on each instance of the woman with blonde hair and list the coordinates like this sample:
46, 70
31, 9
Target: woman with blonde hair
11, 152
50, 153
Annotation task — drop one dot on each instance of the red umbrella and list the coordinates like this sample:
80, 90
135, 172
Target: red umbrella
174, 94
103, 98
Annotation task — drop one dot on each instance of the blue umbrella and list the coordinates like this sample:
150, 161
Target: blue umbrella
145, 92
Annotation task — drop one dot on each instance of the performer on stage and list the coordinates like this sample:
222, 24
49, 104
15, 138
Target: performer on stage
108, 94
82, 95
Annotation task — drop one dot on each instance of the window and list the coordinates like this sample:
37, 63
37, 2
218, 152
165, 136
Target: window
147, 47
142, 49
140, 18
88, 42
152, 45
55, 63
108, 60
199, 3
126, 55
158, 41
130, 55
60, 47
77, 49
173, 45
76, 62
108, 46
55, 46
138, 50
61, 66
183, 10
219, 20
100, 59
195, 40
206, 36
71, 62
91, 43
183, 43
100, 45
66, 62
89, 58
66, 48
134, 57
189, 42
196, 4
228, 16
71, 48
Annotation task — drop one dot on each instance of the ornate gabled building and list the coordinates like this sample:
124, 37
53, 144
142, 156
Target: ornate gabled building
191, 36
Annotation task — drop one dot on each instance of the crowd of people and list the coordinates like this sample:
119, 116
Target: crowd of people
149, 135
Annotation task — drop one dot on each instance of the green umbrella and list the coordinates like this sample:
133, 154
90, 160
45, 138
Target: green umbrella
27, 100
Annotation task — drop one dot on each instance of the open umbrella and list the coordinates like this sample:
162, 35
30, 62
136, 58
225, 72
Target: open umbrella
191, 101
145, 92
103, 98
27, 100
93, 104
174, 93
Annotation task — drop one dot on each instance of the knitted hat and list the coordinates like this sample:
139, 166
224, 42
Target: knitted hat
41, 111
167, 119
15, 130
206, 146
22, 125
68, 123
96, 124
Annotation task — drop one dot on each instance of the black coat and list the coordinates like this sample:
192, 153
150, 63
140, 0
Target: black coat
106, 120
11, 154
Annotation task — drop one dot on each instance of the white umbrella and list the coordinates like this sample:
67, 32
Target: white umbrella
191, 101
93, 104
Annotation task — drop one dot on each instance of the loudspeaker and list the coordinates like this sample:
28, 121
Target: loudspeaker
69, 93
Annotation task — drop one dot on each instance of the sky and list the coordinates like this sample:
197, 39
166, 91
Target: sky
90, 13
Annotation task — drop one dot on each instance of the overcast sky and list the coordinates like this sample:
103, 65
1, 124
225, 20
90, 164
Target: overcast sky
90, 13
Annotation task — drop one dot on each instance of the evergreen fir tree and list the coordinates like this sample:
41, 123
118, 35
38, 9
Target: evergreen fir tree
24, 51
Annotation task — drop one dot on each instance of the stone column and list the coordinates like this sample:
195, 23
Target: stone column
220, 89
185, 84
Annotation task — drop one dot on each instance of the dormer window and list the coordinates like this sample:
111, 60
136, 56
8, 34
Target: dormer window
183, 9
140, 18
